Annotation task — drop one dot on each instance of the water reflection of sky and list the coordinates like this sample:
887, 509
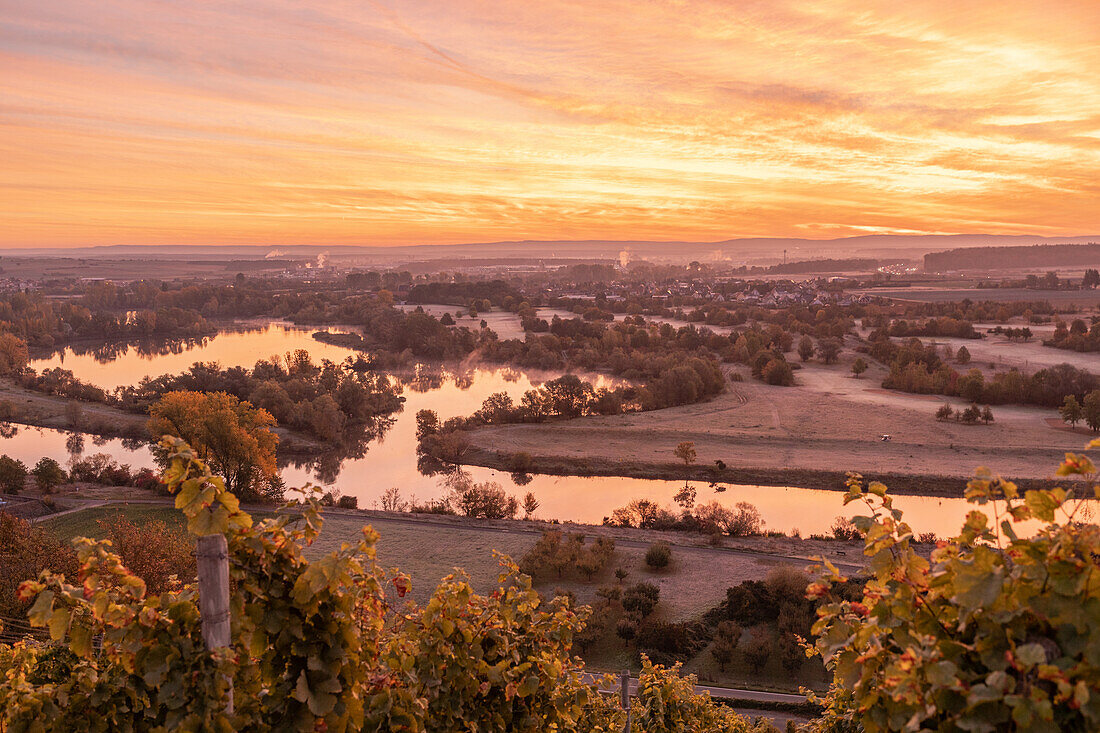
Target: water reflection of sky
391, 460
392, 463
132, 363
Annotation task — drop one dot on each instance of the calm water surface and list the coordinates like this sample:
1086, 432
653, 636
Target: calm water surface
390, 461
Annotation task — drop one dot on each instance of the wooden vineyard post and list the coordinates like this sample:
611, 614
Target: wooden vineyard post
212, 555
624, 680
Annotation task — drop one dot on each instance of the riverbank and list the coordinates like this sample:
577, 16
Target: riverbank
21, 406
809, 436
804, 478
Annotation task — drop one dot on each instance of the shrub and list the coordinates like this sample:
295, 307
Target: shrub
558, 553
347, 502
671, 640
750, 603
162, 556
991, 631
640, 599
26, 550
757, 651
844, 530
148, 480
746, 522
521, 462
626, 629
486, 500
658, 555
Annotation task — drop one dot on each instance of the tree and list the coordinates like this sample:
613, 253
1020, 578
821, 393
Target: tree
13, 354
757, 651
48, 475
987, 415
725, 642
779, 373
641, 598
1091, 408
530, 505
962, 356
971, 414
235, 438
1071, 411
859, 366
13, 474
829, 350
1091, 278
685, 451
944, 412
950, 642
805, 349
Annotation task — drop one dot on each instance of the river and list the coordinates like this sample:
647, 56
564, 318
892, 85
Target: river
390, 461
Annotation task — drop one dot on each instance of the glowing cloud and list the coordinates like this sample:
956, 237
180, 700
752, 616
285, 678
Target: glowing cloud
278, 122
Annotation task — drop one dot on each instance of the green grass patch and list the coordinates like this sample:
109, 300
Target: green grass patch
88, 522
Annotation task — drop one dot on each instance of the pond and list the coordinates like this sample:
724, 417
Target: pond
391, 461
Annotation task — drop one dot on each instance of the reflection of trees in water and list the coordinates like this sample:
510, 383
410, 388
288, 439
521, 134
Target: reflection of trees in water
146, 348
326, 466
424, 378
100, 440
463, 380
74, 443
522, 479
429, 465
8, 430
510, 375
133, 444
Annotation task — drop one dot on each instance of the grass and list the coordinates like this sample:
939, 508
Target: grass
427, 553
86, 523
694, 582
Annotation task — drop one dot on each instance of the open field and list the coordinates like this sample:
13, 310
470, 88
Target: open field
1059, 298
828, 422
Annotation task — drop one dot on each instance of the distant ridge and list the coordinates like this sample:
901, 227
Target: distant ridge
1036, 255
736, 250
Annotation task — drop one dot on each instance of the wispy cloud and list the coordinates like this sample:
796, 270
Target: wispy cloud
446, 120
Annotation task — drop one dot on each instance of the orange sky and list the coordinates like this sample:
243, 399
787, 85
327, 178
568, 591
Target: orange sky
384, 122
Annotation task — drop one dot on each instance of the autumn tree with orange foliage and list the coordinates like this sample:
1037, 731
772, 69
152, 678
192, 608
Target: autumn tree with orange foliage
229, 434
13, 354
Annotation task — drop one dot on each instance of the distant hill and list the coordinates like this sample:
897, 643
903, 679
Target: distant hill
852, 264
758, 250
1037, 255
